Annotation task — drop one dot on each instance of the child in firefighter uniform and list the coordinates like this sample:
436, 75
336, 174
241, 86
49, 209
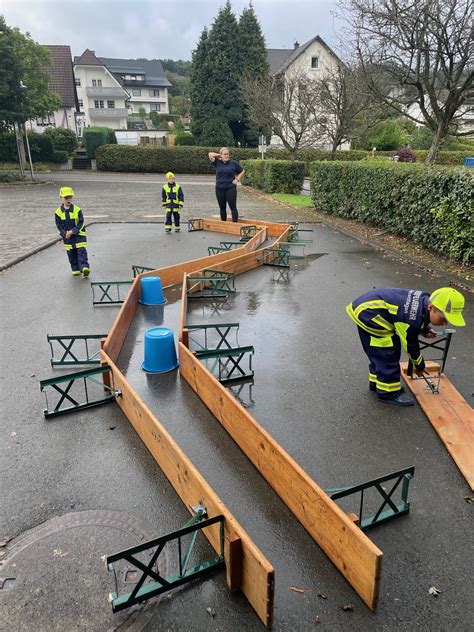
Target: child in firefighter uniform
388, 319
70, 224
172, 200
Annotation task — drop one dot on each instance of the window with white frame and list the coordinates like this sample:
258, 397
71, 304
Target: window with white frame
110, 104
99, 104
155, 107
136, 92
315, 63
45, 121
97, 83
77, 81
154, 93
81, 103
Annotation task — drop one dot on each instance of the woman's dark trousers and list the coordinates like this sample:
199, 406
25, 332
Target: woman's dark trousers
224, 197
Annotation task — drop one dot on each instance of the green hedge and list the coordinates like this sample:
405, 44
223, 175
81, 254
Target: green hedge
95, 137
41, 147
275, 176
162, 159
183, 139
188, 159
433, 207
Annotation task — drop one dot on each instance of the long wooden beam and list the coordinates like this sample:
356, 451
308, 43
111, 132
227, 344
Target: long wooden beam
247, 568
451, 417
356, 557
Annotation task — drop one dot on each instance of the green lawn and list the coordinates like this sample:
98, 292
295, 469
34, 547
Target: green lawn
298, 201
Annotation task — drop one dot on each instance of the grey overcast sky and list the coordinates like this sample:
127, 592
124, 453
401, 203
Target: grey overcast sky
159, 29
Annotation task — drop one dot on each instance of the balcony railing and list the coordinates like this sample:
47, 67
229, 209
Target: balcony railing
108, 112
93, 91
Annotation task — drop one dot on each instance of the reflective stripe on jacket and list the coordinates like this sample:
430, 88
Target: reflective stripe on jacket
172, 196
388, 311
71, 219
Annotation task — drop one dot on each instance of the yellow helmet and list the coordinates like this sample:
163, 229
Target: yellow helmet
170, 174
65, 192
451, 303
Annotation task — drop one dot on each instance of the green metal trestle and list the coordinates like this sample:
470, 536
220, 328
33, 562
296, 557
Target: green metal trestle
276, 257
441, 343
65, 344
83, 380
247, 232
195, 224
221, 331
227, 364
139, 269
150, 582
110, 292
393, 510
211, 283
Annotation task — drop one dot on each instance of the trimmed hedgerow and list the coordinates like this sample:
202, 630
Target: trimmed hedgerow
95, 137
275, 176
433, 207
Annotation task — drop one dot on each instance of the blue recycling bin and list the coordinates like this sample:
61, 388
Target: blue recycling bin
152, 291
160, 351
469, 162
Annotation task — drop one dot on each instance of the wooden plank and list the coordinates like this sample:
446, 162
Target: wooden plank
274, 229
257, 574
356, 557
183, 310
234, 569
450, 415
118, 331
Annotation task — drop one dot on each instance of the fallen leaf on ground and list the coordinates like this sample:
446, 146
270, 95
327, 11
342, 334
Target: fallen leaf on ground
469, 499
322, 596
348, 607
434, 591
211, 611
300, 590
12, 434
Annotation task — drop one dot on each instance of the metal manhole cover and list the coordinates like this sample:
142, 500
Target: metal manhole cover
52, 577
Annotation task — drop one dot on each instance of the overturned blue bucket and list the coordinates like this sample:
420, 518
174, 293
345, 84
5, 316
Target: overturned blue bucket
152, 291
160, 352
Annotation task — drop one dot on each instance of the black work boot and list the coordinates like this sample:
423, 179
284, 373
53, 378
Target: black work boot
399, 400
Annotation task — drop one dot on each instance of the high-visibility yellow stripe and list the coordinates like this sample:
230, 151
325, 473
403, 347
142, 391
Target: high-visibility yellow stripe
388, 387
418, 360
376, 304
378, 341
81, 244
372, 377
401, 329
370, 330
380, 320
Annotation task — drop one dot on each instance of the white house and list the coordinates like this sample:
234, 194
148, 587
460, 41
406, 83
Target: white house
102, 98
144, 80
62, 82
314, 58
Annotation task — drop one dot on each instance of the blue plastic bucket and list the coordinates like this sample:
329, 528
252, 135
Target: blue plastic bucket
160, 351
469, 162
152, 291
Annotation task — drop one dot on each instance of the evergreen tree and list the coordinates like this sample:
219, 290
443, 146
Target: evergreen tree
216, 131
253, 64
199, 86
224, 68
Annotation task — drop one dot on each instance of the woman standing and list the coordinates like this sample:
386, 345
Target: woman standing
228, 176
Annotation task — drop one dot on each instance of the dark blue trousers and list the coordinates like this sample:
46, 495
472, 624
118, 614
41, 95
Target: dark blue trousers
384, 364
78, 259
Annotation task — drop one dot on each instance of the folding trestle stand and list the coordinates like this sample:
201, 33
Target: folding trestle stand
211, 283
139, 269
440, 344
223, 360
67, 346
380, 516
92, 391
110, 292
150, 582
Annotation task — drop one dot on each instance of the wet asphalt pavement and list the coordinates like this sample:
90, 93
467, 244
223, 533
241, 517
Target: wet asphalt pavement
309, 392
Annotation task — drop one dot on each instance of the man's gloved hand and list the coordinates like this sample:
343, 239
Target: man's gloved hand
431, 333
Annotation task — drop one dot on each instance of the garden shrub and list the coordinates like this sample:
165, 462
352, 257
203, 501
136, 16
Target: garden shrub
95, 137
275, 176
433, 207
63, 139
183, 139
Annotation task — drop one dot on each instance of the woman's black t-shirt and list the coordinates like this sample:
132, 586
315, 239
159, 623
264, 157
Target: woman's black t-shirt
226, 172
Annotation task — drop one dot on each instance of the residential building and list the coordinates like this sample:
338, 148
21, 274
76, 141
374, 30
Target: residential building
102, 98
144, 80
314, 58
61, 82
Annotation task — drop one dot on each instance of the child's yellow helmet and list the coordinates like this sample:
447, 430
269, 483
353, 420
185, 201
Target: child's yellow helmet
170, 174
451, 303
65, 191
